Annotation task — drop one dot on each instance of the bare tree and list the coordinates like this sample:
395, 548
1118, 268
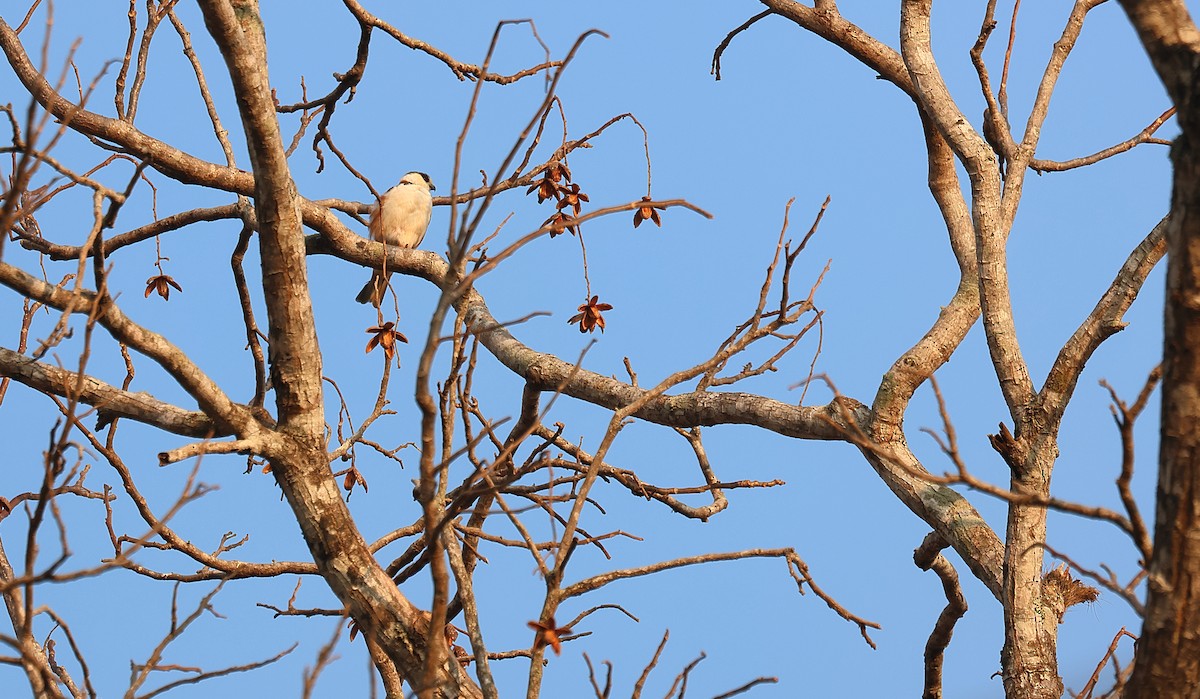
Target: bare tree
476, 468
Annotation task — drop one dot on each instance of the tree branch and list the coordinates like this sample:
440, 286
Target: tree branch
111, 401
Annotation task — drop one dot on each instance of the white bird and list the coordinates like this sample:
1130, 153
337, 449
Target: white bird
400, 218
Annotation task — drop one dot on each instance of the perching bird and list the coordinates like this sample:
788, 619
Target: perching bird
400, 218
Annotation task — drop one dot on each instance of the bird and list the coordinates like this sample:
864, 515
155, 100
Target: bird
400, 218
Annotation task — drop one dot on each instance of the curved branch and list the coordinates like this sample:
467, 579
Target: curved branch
825, 21
548, 373
1146, 135
228, 416
796, 566
940, 507
168, 160
915, 366
463, 71
720, 50
111, 401
1103, 322
991, 227
927, 557
1058, 57
163, 225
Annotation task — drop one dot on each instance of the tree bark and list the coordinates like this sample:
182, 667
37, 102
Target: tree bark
1168, 657
1029, 660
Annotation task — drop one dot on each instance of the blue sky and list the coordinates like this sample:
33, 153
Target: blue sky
792, 117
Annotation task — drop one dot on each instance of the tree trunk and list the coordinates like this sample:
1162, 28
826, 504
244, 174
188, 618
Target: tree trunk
1168, 659
1029, 661
1168, 656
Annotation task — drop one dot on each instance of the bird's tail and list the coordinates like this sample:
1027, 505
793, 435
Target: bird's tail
373, 290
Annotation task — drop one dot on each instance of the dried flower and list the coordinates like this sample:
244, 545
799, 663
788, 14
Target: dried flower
385, 336
545, 189
162, 285
565, 221
558, 170
354, 477
590, 315
571, 196
549, 634
549, 187
646, 211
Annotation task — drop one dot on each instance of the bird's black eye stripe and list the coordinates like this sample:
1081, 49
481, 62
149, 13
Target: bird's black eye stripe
423, 176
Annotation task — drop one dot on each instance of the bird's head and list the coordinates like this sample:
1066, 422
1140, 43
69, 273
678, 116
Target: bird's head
418, 179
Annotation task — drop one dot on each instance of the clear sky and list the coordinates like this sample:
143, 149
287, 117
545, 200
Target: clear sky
792, 117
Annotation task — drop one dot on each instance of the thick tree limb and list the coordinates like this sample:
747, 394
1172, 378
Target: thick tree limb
227, 415
111, 401
1167, 663
1103, 322
991, 228
301, 466
825, 21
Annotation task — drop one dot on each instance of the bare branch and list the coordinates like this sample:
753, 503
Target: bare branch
1086, 692
1125, 415
1105, 320
796, 567
112, 402
927, 557
1146, 135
